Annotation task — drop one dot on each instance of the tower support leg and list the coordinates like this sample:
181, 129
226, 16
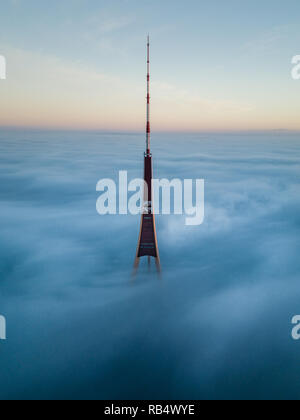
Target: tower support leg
136, 266
158, 266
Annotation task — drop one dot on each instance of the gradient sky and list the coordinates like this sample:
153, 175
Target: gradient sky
215, 65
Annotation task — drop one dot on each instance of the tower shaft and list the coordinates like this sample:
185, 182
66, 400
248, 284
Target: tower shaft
147, 244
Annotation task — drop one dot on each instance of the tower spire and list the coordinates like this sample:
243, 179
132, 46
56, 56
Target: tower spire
147, 243
148, 129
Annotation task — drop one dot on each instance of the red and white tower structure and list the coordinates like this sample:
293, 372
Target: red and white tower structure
147, 244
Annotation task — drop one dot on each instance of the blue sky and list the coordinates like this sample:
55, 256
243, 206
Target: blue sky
215, 65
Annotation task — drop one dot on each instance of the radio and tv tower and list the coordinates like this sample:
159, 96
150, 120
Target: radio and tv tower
147, 244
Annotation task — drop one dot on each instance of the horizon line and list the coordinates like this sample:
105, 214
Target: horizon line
140, 132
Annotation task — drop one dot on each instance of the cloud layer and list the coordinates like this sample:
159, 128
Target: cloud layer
218, 326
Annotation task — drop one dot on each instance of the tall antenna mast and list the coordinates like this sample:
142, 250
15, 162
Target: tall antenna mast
148, 130
147, 244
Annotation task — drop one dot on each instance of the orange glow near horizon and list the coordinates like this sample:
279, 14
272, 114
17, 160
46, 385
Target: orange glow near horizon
44, 92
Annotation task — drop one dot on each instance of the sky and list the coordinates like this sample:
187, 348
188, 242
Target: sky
215, 65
